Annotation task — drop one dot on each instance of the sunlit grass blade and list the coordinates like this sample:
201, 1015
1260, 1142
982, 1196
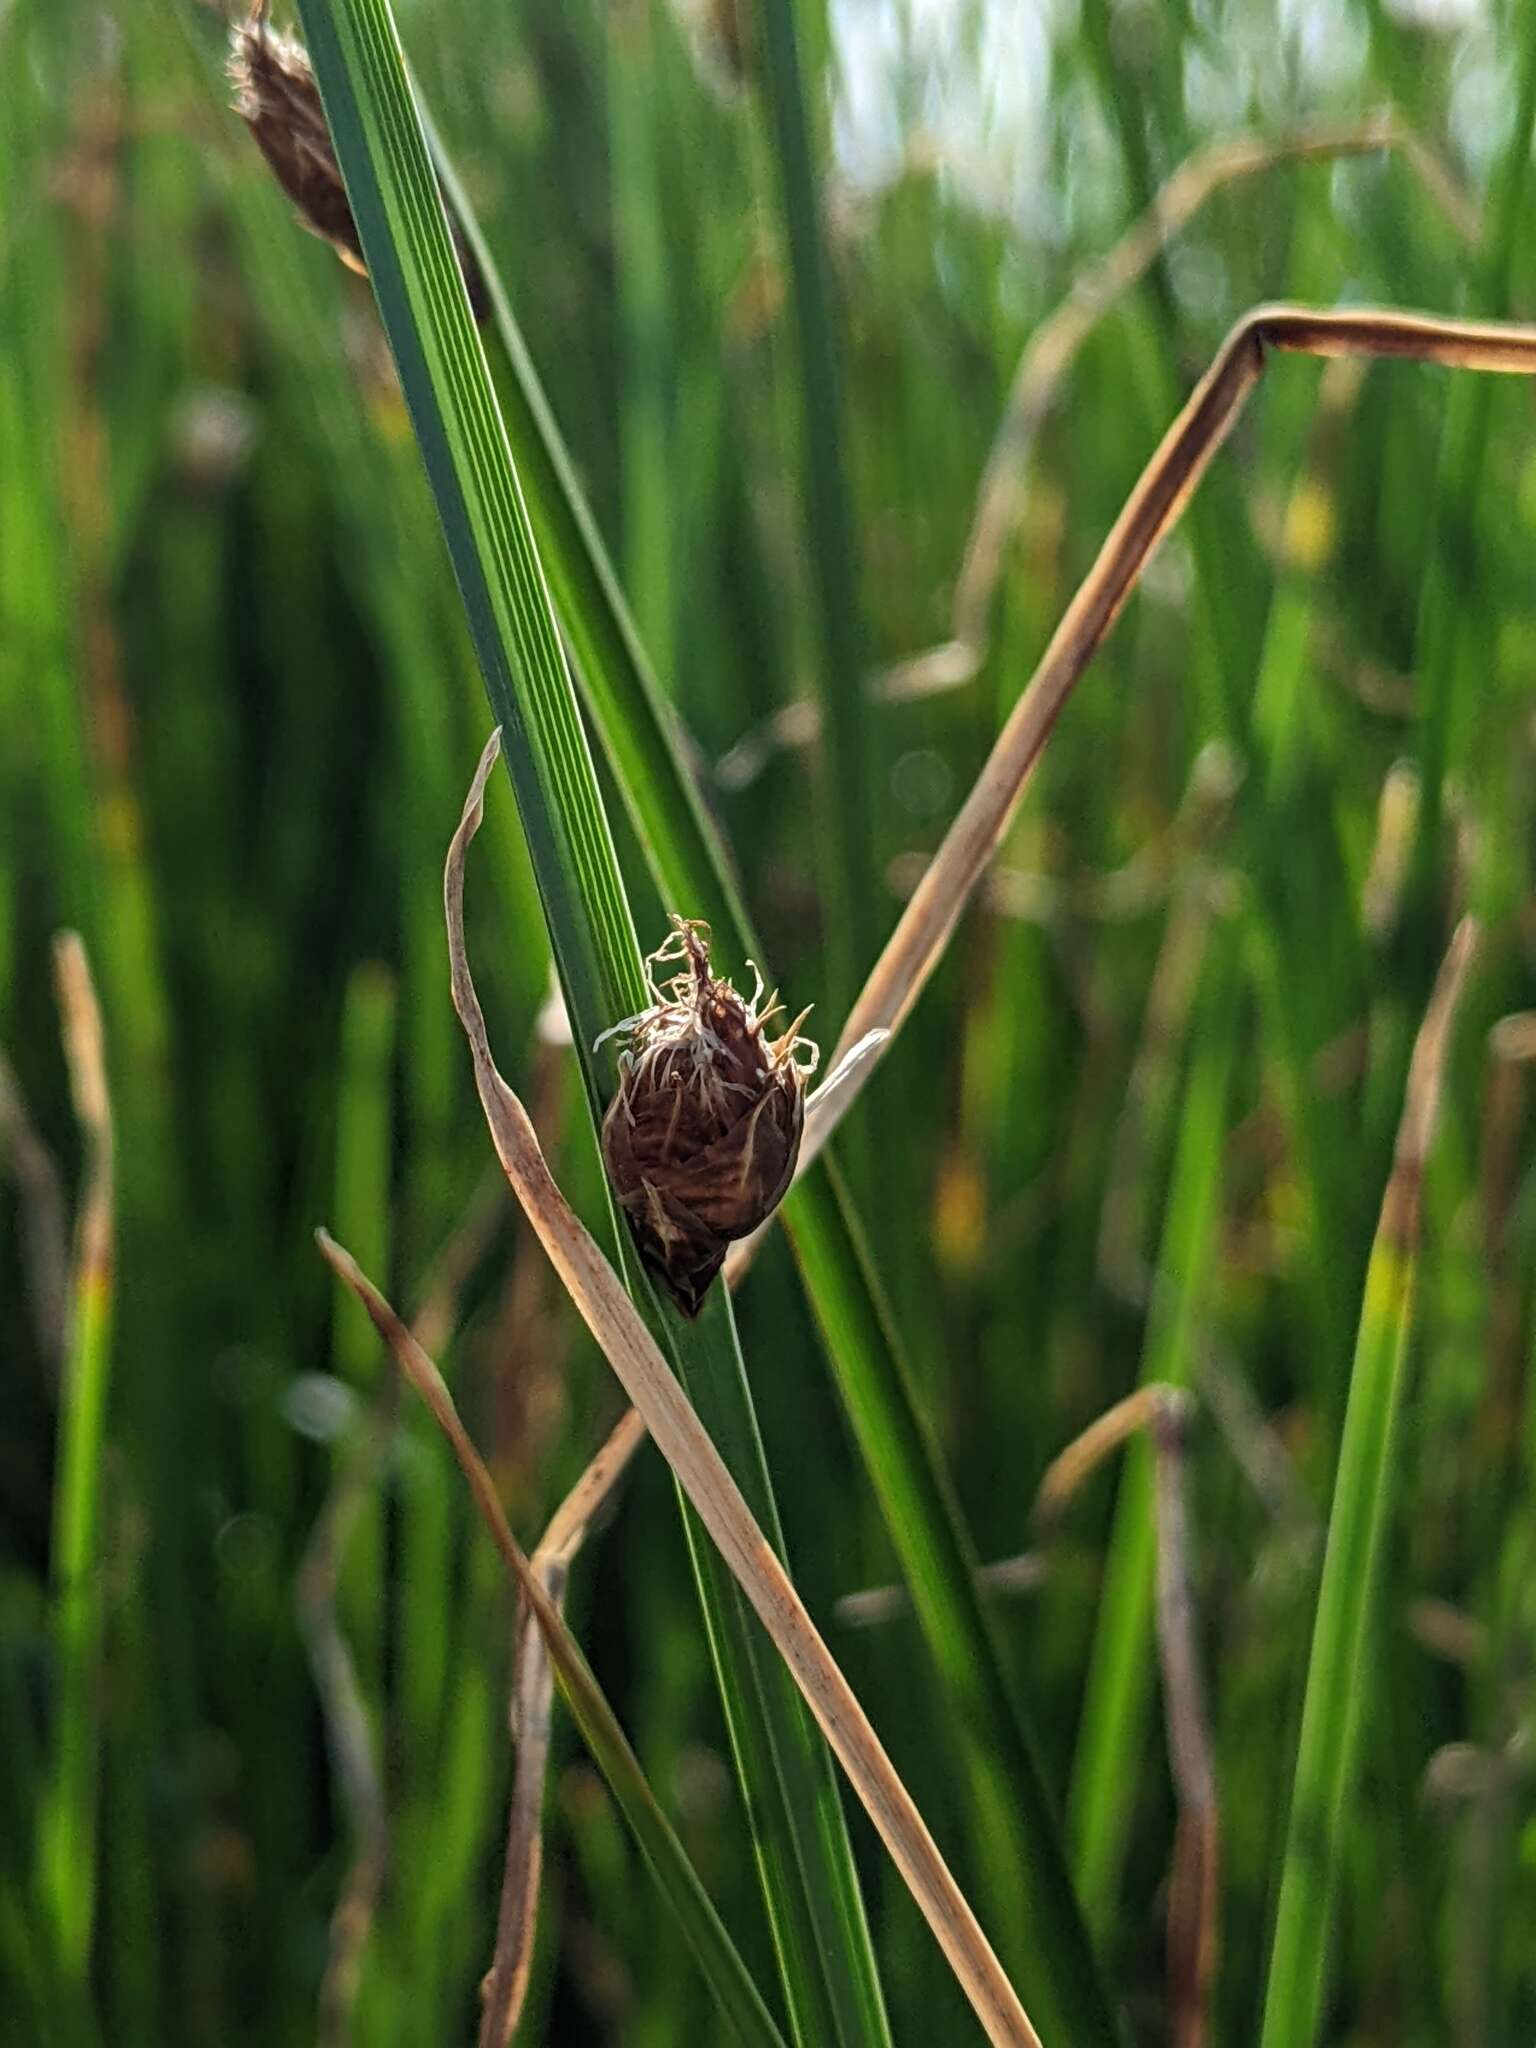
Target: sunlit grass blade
829, 1973
1338, 1672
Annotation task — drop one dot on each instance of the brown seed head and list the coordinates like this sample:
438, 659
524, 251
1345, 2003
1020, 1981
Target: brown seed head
278, 100
702, 1137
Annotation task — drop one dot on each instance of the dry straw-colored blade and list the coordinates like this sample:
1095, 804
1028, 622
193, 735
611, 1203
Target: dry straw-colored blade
1067, 1471
85, 1055
570, 1522
1159, 497
1401, 1205
615, 1322
506, 1985
740, 1999
1061, 1482
517, 1917
1194, 1890
350, 1737
344, 1713
874, 1605
433, 1389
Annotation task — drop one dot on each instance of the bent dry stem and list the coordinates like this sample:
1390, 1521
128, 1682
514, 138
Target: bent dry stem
1153, 508
506, 1984
648, 1380
727, 1974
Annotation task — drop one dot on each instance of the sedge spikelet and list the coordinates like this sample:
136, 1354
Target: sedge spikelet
277, 98
702, 1137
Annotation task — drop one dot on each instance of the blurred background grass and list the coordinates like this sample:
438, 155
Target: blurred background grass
1141, 1121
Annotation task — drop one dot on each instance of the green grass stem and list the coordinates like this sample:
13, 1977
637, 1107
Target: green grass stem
828, 1969
1337, 1701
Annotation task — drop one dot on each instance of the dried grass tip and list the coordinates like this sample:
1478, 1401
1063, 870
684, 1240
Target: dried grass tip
702, 1137
278, 100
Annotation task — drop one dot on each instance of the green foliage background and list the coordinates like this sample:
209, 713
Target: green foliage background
237, 712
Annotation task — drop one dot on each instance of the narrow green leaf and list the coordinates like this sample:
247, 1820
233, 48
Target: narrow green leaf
828, 1968
1028, 1881
740, 2000
636, 723
1340, 1665
68, 1815
1337, 1672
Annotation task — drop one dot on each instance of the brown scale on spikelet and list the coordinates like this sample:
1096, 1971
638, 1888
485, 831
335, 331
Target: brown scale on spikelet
278, 100
702, 1137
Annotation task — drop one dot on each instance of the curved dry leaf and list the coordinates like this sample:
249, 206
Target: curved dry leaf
615, 1322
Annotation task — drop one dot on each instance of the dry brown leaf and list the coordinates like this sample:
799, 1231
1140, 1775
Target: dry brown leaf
614, 1321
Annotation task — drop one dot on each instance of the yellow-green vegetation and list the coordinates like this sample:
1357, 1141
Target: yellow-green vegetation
736, 442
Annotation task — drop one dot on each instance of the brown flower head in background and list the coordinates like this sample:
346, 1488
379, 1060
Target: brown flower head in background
278, 100
702, 1137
